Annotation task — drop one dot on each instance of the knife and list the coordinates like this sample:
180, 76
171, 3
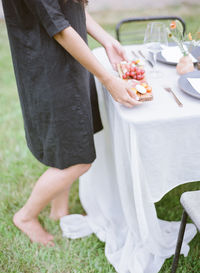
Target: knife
133, 52
149, 61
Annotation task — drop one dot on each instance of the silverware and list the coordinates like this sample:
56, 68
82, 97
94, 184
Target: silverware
168, 89
141, 54
133, 52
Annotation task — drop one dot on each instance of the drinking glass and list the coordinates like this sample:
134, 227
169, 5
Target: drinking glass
155, 40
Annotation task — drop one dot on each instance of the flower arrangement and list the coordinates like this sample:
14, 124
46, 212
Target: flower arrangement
175, 32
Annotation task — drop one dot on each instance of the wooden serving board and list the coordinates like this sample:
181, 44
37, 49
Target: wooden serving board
142, 97
145, 97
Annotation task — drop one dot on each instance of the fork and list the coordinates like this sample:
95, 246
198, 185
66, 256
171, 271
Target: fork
168, 89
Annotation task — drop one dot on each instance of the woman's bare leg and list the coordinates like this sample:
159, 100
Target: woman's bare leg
52, 183
59, 205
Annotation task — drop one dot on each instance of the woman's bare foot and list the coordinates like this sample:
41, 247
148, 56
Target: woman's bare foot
33, 229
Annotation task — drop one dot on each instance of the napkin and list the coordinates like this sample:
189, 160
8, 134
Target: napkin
195, 82
173, 54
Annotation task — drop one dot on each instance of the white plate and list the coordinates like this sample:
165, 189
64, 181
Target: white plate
185, 85
195, 53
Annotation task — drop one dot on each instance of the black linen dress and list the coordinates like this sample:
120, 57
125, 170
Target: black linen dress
57, 94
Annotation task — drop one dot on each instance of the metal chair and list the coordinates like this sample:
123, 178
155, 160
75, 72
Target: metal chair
128, 33
191, 207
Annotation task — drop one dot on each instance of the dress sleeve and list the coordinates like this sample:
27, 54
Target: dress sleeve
49, 14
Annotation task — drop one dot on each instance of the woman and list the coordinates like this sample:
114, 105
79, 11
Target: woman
48, 40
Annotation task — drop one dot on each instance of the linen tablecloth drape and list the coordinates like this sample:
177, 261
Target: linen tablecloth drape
142, 153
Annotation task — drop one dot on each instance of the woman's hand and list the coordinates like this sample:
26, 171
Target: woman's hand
115, 52
122, 91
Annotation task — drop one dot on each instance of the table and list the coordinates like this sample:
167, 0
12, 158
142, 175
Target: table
142, 154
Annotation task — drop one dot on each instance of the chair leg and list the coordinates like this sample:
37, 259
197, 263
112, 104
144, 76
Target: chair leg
179, 242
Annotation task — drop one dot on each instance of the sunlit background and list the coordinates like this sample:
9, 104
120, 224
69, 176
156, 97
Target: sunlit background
19, 169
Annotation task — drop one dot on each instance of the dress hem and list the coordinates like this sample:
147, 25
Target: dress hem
51, 164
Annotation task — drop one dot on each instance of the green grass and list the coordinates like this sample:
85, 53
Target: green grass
19, 170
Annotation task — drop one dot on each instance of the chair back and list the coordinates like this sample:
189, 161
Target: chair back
131, 30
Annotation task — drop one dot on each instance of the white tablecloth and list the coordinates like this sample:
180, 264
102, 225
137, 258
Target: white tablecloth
142, 153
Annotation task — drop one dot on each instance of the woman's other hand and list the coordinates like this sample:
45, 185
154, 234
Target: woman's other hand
115, 52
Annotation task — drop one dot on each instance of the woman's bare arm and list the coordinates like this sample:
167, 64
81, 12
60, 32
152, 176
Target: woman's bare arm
114, 50
97, 32
75, 45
